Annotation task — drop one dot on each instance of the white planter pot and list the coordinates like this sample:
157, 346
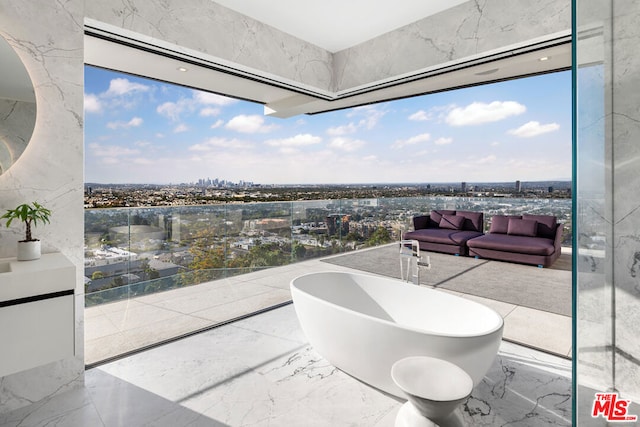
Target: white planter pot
28, 251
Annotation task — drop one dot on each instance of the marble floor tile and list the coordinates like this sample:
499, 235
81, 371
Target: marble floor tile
261, 371
70, 409
284, 325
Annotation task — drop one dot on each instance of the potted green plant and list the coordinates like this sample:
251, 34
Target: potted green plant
30, 214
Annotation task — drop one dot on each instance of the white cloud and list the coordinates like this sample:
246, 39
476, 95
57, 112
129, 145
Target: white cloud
174, 109
480, 112
92, 103
171, 110
217, 124
346, 144
142, 144
299, 140
111, 151
494, 144
249, 124
488, 159
372, 115
143, 161
443, 141
209, 112
343, 130
120, 86
181, 128
421, 116
212, 98
134, 122
213, 144
400, 143
531, 129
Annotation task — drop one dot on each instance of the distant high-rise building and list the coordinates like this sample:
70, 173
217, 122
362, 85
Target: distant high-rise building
337, 223
463, 187
518, 187
550, 189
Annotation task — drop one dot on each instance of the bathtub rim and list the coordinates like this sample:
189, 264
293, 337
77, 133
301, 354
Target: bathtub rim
498, 328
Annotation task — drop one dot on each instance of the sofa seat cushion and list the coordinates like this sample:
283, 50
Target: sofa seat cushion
511, 243
442, 236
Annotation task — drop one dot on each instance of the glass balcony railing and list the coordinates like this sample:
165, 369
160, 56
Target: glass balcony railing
156, 274
136, 251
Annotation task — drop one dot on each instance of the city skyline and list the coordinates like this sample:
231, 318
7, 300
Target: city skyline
144, 131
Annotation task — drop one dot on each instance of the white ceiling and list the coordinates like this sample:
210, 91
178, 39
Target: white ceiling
335, 25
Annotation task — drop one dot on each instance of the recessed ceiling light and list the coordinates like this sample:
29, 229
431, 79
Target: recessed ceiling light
544, 58
183, 69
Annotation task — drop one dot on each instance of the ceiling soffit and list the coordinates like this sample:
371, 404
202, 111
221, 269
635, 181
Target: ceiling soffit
285, 96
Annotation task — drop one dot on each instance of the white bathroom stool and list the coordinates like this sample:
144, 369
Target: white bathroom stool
434, 389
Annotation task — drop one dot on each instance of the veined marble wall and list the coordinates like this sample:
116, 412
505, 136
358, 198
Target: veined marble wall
48, 37
212, 30
625, 164
608, 160
18, 118
469, 29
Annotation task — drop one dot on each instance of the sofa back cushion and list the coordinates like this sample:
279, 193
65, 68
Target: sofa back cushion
522, 227
473, 221
500, 223
436, 215
452, 222
547, 225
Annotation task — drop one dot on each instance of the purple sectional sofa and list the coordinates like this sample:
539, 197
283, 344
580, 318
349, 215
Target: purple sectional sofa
527, 239
446, 231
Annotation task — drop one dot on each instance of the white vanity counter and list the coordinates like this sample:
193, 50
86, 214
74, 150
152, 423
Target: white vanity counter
36, 312
23, 279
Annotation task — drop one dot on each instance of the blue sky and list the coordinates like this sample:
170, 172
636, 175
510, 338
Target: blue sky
144, 131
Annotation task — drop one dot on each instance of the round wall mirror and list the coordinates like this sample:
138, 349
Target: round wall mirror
17, 107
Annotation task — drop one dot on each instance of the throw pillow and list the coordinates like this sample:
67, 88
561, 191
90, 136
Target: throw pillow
499, 224
522, 227
452, 222
436, 215
546, 224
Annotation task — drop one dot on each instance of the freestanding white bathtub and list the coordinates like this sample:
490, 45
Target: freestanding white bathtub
363, 324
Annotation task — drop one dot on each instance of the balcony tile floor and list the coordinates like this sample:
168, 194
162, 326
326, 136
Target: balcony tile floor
124, 326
